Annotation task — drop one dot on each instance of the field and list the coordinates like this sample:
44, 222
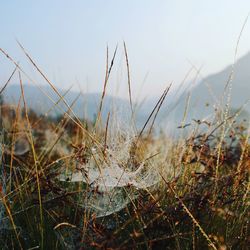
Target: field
68, 183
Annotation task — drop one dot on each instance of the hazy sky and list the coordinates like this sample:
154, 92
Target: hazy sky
68, 39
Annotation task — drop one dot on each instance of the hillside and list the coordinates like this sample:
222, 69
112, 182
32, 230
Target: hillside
209, 92
86, 105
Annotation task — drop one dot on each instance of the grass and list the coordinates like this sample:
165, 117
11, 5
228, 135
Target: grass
198, 201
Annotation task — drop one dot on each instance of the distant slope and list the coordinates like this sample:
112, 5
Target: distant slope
210, 90
86, 106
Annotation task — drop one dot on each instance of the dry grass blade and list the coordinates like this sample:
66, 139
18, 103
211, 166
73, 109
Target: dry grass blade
185, 111
128, 74
107, 75
63, 224
35, 161
106, 134
15, 129
230, 78
152, 112
159, 107
5, 85
104, 86
228, 85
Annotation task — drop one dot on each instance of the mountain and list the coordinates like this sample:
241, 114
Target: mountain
208, 93
86, 105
